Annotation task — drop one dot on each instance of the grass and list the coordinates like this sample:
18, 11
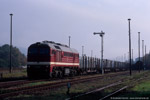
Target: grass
35, 83
144, 87
140, 88
16, 73
59, 94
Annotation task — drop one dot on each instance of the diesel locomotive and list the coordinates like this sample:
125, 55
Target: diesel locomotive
50, 59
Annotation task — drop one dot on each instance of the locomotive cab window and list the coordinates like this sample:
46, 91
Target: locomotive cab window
33, 51
44, 51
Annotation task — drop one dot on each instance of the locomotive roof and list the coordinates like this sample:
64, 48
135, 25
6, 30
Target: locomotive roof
58, 46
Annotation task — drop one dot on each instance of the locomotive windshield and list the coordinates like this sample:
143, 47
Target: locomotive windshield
33, 51
41, 51
38, 53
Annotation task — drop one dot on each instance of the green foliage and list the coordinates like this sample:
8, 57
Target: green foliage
18, 59
145, 86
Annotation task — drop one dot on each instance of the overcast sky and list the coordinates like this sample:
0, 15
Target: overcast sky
55, 20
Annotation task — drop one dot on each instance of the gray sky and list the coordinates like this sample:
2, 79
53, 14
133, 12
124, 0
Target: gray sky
55, 20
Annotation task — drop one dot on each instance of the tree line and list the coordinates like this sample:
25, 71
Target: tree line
18, 59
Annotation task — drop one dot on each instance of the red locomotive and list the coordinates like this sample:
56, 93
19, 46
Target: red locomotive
51, 59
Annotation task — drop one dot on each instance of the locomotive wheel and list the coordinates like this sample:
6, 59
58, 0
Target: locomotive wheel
75, 73
71, 73
59, 75
54, 74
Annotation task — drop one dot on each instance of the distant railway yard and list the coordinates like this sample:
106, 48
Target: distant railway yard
116, 85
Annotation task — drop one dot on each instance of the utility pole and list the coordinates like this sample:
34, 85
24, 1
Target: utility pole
82, 57
145, 56
128, 57
124, 57
82, 50
10, 43
69, 40
143, 50
101, 35
130, 46
91, 53
139, 50
132, 56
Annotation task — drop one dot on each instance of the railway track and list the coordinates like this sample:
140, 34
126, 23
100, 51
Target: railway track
26, 81
19, 82
8, 84
50, 86
101, 93
118, 91
94, 91
12, 79
114, 93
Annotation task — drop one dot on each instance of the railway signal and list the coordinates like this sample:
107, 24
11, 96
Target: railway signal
101, 35
143, 51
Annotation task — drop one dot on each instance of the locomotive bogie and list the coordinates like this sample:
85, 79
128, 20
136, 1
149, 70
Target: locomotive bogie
38, 71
